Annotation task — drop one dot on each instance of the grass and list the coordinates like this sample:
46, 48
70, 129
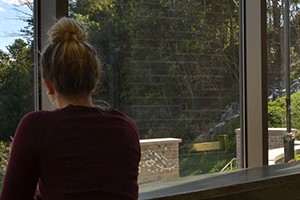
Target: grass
204, 162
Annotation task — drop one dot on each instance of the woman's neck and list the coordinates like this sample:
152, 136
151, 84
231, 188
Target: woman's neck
78, 100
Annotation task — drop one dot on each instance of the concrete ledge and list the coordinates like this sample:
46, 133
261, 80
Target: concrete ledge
277, 154
159, 140
274, 182
275, 141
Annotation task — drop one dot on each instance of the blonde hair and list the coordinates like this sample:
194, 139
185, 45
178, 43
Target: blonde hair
69, 61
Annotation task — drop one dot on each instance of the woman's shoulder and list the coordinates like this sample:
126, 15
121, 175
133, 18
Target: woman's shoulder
35, 116
30, 125
116, 113
122, 116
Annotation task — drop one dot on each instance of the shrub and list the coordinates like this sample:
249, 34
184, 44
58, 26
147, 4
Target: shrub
277, 112
4, 154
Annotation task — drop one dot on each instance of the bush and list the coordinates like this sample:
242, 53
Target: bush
4, 154
203, 162
277, 112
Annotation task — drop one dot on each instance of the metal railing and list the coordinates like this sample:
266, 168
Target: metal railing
230, 163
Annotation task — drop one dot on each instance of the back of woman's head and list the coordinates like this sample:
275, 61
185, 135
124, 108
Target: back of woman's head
69, 62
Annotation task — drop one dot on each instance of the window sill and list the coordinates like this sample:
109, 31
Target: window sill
269, 182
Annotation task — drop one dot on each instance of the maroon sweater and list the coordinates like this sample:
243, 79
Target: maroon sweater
74, 153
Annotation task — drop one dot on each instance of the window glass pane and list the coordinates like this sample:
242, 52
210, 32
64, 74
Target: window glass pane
280, 77
173, 66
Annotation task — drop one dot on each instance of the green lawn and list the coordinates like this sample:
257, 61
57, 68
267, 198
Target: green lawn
204, 162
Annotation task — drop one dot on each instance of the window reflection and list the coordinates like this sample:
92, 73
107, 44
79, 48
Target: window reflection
173, 67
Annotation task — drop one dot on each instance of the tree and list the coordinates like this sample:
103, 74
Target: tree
16, 86
16, 77
108, 34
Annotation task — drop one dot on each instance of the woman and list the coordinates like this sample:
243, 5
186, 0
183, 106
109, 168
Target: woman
77, 151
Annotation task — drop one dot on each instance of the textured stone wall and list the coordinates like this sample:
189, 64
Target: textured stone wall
160, 159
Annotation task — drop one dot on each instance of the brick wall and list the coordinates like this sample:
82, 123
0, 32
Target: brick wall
160, 159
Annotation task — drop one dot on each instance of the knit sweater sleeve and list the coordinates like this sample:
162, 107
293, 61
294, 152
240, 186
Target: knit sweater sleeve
22, 172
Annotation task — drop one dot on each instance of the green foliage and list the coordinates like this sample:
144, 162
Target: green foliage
277, 112
210, 162
203, 163
4, 155
109, 35
229, 129
16, 86
219, 166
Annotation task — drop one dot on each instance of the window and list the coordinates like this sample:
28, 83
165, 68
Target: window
283, 75
174, 68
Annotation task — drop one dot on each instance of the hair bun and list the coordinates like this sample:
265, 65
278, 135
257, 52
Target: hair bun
67, 29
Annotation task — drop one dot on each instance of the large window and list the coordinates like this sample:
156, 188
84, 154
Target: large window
173, 66
192, 72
